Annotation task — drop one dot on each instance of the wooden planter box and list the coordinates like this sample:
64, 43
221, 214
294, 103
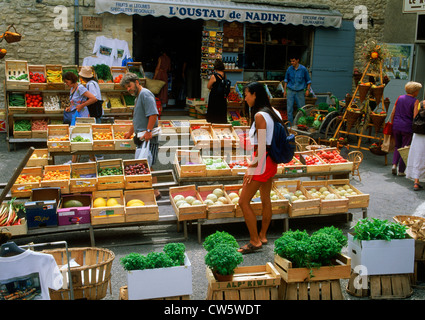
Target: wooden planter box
332, 206
189, 170
62, 184
16, 68
137, 181
248, 283
312, 284
306, 207
54, 85
148, 212
85, 131
58, 138
40, 69
104, 129
39, 158
111, 181
216, 211
83, 177
108, 215
188, 213
122, 144
217, 172
160, 282
24, 190
360, 200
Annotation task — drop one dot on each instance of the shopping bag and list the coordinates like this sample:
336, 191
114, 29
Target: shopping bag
75, 115
143, 152
67, 116
388, 144
388, 129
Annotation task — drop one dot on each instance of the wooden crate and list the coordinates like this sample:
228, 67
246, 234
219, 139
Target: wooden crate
39, 158
117, 71
257, 207
21, 134
103, 129
122, 144
62, 184
85, 121
360, 200
137, 181
236, 171
84, 132
181, 126
321, 166
336, 166
248, 283
168, 129
189, 170
118, 109
209, 140
24, 190
54, 85
307, 207
216, 212
41, 69
332, 206
30, 109
230, 140
58, 138
148, 212
294, 166
108, 215
112, 181
16, 68
16, 109
217, 172
188, 213
83, 177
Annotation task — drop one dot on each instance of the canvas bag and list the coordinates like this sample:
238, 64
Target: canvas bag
418, 125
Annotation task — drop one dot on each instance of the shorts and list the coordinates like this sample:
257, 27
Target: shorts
265, 170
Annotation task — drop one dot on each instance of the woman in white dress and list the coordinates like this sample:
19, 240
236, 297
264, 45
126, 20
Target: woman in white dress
416, 160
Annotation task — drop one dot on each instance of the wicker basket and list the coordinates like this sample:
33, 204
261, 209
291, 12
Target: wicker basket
378, 151
404, 152
377, 120
352, 118
90, 280
11, 37
378, 92
363, 90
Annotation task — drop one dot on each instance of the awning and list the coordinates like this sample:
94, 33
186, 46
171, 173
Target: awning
223, 11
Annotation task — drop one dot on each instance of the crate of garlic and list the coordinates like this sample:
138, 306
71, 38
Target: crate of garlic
356, 198
301, 203
219, 205
51, 103
330, 201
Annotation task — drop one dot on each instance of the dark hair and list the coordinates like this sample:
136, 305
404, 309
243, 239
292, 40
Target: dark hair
219, 65
88, 79
70, 76
262, 102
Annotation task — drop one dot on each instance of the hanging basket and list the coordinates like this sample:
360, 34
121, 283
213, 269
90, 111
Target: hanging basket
352, 116
386, 104
377, 120
12, 36
91, 279
357, 77
2, 53
378, 92
376, 150
363, 90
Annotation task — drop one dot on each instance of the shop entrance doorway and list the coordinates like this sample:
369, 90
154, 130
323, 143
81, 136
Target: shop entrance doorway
182, 41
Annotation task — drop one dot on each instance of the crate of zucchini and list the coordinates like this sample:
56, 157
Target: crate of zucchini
16, 102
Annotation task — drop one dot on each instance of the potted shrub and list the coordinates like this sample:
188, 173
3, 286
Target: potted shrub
381, 247
219, 237
158, 274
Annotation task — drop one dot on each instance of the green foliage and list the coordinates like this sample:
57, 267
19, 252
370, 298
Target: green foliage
176, 252
376, 229
322, 248
337, 233
220, 237
158, 260
133, 261
223, 259
103, 72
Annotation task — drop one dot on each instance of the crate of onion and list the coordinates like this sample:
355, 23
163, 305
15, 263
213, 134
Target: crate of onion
137, 174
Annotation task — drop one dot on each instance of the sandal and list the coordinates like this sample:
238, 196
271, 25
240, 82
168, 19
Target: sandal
249, 248
417, 187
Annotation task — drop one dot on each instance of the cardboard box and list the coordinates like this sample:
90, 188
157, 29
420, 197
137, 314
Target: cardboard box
75, 215
381, 257
41, 210
161, 282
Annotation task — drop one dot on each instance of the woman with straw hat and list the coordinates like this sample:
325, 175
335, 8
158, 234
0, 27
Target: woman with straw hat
87, 77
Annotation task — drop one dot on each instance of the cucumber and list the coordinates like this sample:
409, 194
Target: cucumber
72, 203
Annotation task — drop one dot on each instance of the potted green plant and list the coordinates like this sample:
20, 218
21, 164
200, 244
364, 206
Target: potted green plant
158, 274
222, 237
381, 247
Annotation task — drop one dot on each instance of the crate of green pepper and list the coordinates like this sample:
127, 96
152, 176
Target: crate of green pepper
110, 174
22, 128
16, 102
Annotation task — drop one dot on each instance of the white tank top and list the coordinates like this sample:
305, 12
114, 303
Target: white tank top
269, 128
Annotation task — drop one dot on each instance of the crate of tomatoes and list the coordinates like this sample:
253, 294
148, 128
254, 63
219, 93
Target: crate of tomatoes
34, 103
333, 157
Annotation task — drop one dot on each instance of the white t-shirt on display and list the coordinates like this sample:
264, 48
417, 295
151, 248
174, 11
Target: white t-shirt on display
111, 51
269, 128
122, 52
29, 275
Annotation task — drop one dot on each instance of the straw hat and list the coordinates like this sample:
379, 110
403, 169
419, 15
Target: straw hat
86, 72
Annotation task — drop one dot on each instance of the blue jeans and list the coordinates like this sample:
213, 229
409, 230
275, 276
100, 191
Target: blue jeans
291, 97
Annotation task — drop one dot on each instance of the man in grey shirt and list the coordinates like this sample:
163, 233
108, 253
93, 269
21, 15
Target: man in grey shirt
145, 116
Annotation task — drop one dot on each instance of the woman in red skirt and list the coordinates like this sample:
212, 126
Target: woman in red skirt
262, 168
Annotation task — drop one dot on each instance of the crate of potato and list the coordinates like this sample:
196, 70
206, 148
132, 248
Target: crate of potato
39, 158
81, 138
217, 201
16, 102
103, 138
37, 77
58, 138
28, 179
330, 202
54, 77
57, 176
39, 128
189, 164
137, 174
140, 205
110, 174
300, 201
356, 198
187, 203
107, 207
121, 143
83, 177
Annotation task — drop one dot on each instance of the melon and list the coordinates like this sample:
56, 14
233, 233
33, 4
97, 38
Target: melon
99, 202
72, 203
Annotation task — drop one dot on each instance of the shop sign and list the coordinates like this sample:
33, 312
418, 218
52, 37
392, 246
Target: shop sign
413, 6
91, 23
223, 11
